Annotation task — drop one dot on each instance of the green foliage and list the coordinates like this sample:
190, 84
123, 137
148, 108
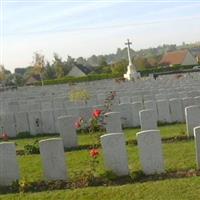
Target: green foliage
179, 158
141, 63
146, 72
102, 70
79, 95
50, 72
24, 135
20, 81
38, 63
110, 175
119, 67
169, 189
102, 61
70, 79
58, 66
32, 148
2, 73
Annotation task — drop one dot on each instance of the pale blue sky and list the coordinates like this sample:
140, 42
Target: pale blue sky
83, 28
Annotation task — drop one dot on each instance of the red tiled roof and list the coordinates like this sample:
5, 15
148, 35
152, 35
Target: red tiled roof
173, 58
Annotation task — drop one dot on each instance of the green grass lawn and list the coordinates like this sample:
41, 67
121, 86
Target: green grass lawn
177, 155
171, 189
130, 134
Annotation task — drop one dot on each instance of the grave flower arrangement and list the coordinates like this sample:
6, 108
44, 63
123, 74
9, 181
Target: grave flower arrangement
96, 122
4, 135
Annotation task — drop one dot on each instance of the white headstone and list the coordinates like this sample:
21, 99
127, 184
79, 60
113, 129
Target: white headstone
7, 121
67, 131
148, 97
150, 151
192, 115
58, 113
46, 105
163, 111
114, 152
35, 122
9, 170
48, 122
136, 99
53, 159
22, 123
197, 100
188, 101
151, 105
197, 144
126, 115
136, 107
176, 109
85, 112
125, 99
113, 122
148, 120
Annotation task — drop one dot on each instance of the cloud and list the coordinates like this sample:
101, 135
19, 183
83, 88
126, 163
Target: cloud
58, 31
52, 17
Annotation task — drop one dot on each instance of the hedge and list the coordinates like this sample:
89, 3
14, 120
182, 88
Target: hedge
70, 79
146, 72
93, 77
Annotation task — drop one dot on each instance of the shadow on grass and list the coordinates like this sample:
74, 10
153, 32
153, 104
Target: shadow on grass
106, 179
172, 139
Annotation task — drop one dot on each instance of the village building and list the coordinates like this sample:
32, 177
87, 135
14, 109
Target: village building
180, 57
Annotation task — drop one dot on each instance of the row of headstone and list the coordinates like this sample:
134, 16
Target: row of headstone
150, 151
114, 152
130, 115
53, 160
34, 122
141, 91
37, 122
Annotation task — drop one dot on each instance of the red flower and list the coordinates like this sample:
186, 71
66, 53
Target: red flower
94, 153
4, 137
96, 113
77, 124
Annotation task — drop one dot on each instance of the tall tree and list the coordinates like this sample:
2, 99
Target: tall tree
58, 65
39, 65
2, 73
49, 72
119, 67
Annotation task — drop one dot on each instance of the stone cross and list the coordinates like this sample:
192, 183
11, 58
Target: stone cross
131, 73
128, 43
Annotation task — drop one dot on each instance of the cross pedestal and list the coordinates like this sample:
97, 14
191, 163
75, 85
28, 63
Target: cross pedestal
131, 73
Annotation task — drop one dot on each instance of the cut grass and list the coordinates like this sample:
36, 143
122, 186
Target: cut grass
130, 134
177, 156
171, 189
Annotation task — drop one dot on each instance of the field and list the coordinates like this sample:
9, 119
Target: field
179, 156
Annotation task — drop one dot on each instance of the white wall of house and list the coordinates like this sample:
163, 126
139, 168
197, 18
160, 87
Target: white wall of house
75, 71
189, 60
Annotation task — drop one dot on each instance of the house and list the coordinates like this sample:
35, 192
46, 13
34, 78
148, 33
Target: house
196, 53
180, 57
198, 58
78, 70
33, 79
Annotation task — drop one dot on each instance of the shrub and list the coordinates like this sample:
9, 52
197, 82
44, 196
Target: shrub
146, 72
32, 148
24, 135
79, 95
70, 79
